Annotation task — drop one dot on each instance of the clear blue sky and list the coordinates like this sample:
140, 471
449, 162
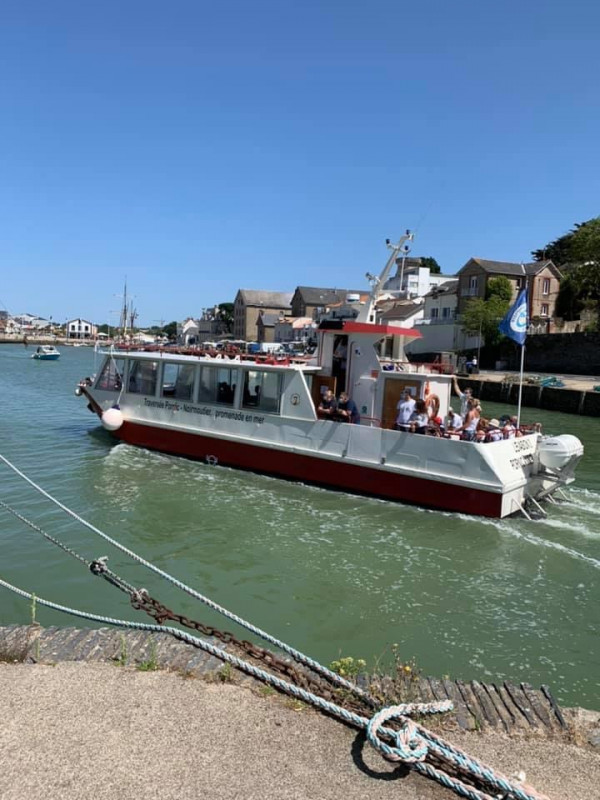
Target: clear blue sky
199, 147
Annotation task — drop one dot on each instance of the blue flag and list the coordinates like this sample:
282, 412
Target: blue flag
516, 320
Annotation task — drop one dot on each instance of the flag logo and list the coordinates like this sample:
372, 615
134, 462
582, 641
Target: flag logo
514, 324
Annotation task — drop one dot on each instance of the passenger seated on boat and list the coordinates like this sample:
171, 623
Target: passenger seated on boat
419, 418
405, 407
469, 427
328, 405
508, 430
494, 434
481, 432
436, 427
251, 399
225, 393
453, 420
347, 410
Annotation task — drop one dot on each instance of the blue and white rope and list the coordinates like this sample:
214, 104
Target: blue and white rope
299, 656
420, 739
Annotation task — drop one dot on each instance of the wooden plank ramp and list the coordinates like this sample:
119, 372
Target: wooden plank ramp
505, 707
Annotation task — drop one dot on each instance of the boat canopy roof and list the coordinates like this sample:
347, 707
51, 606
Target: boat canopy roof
350, 326
260, 362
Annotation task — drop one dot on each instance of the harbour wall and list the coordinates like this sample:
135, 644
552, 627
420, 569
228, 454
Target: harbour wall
506, 707
569, 401
569, 353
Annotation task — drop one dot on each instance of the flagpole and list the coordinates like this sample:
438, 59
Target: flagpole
514, 325
520, 384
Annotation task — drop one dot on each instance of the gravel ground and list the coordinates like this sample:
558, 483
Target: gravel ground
98, 731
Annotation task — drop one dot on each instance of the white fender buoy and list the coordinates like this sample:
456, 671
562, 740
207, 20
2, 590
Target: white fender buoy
112, 419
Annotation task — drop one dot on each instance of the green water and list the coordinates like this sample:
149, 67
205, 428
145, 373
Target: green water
330, 573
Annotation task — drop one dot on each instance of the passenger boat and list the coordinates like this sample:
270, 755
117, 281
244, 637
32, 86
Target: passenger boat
46, 352
261, 413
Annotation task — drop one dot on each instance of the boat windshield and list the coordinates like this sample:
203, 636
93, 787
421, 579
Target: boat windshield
111, 377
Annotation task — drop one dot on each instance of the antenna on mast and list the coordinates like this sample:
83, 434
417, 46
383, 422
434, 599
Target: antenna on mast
367, 312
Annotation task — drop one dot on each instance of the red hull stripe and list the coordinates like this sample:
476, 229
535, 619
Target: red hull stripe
312, 469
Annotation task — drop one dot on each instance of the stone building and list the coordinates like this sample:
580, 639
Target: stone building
310, 301
542, 279
248, 305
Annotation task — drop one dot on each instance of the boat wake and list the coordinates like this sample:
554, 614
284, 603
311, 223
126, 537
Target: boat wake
585, 501
558, 546
514, 528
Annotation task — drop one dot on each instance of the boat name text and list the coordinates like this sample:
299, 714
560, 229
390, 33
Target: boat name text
523, 444
205, 411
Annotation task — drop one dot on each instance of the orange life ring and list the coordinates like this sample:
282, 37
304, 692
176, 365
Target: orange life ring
432, 401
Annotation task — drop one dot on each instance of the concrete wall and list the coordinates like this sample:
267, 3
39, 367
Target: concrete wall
570, 353
569, 401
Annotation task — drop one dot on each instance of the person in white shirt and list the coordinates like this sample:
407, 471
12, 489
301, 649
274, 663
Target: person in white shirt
453, 420
493, 434
419, 419
405, 408
464, 397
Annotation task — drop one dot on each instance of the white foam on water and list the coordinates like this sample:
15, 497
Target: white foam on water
572, 526
539, 542
584, 500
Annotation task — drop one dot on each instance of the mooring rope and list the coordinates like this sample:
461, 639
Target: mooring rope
297, 654
412, 744
141, 600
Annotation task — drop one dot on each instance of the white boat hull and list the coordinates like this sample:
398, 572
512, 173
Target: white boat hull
491, 480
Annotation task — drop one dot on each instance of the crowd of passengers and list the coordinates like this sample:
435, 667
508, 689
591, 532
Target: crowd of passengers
421, 417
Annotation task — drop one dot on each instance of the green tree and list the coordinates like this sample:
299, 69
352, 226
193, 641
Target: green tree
568, 303
585, 258
564, 249
170, 330
483, 316
499, 287
432, 264
226, 314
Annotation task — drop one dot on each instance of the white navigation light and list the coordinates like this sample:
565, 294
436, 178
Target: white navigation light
112, 419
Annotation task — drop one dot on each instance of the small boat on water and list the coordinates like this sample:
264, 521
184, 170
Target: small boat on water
46, 352
262, 413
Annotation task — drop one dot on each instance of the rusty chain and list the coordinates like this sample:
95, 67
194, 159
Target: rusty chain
142, 601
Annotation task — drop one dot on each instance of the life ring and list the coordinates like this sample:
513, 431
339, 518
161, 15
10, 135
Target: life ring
432, 401
212, 461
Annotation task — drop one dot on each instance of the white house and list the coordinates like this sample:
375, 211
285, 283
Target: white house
439, 328
293, 329
81, 329
188, 331
412, 279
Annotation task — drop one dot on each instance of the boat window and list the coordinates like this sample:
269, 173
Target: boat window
178, 380
111, 377
217, 385
262, 390
142, 377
